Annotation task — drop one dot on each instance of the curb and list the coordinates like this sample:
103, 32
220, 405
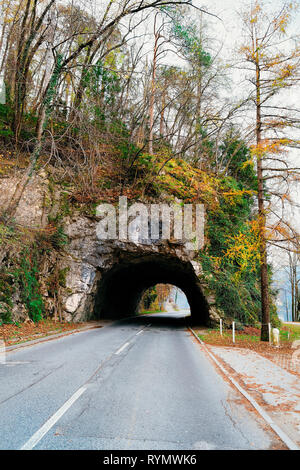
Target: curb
280, 433
50, 337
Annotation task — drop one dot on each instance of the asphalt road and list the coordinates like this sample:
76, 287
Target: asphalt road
142, 383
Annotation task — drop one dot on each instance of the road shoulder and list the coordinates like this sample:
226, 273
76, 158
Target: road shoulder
275, 391
26, 341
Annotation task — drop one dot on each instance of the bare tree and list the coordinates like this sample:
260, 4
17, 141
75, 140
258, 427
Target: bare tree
34, 29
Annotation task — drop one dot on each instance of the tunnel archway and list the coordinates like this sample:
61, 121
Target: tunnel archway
121, 287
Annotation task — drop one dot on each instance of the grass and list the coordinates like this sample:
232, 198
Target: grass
227, 336
290, 332
250, 338
148, 312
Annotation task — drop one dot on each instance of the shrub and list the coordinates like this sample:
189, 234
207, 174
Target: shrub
29, 286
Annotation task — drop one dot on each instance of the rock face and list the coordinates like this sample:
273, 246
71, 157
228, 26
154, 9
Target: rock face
106, 278
32, 208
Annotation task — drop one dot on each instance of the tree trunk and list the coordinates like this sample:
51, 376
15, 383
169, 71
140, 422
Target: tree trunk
264, 281
152, 95
162, 113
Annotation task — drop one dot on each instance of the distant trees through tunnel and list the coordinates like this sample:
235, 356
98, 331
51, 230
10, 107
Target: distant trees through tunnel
163, 298
122, 288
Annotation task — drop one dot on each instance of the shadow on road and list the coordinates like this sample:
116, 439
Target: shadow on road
164, 320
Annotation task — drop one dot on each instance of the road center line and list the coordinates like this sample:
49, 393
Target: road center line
121, 348
35, 439
139, 332
14, 363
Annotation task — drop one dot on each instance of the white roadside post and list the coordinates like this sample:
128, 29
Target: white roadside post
270, 336
221, 327
276, 337
233, 332
2, 90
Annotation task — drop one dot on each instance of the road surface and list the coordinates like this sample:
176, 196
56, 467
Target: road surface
142, 383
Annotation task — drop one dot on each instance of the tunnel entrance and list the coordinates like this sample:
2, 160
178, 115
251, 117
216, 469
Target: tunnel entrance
122, 286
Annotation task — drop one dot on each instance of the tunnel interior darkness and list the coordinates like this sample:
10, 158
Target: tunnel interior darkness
121, 287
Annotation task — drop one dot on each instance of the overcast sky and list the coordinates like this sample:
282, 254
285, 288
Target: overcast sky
229, 30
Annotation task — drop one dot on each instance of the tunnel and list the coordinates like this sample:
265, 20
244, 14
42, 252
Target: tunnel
122, 286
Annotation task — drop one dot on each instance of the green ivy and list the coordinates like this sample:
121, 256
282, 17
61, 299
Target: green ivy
6, 291
27, 276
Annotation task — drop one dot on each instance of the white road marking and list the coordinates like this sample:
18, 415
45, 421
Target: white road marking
122, 348
35, 439
139, 332
15, 363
